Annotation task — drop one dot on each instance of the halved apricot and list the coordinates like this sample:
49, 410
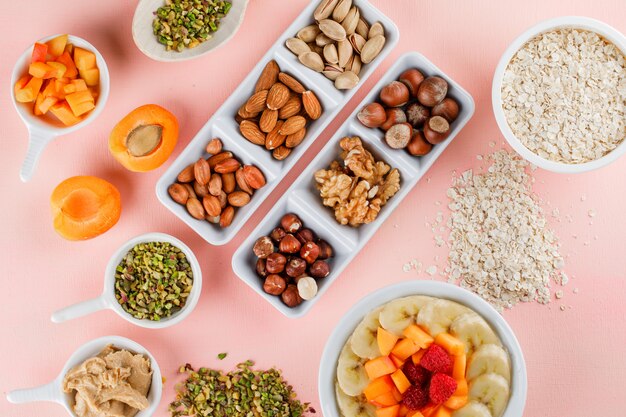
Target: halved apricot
145, 138
84, 207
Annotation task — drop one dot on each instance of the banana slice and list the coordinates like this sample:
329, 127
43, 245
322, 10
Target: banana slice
363, 340
489, 359
491, 390
353, 406
473, 330
472, 409
351, 374
398, 314
437, 315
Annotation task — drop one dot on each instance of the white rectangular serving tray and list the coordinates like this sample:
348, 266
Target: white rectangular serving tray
303, 199
223, 125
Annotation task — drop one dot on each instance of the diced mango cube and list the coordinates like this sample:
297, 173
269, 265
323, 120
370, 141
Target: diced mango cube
47, 103
40, 51
64, 113
66, 59
84, 59
80, 84
29, 92
80, 102
58, 67
56, 46
41, 70
91, 76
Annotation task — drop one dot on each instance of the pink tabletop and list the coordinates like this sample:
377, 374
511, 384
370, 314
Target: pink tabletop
574, 356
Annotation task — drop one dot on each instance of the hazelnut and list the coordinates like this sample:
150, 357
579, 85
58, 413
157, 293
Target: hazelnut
278, 234
416, 114
307, 288
291, 223
305, 235
319, 269
394, 116
398, 136
290, 296
310, 252
289, 244
418, 145
448, 109
295, 267
394, 94
436, 130
275, 263
274, 284
263, 247
326, 251
372, 115
432, 91
412, 79
260, 268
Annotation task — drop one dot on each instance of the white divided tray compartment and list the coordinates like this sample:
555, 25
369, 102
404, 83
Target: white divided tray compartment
303, 198
223, 125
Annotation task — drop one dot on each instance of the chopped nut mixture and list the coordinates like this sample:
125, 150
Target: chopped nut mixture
564, 96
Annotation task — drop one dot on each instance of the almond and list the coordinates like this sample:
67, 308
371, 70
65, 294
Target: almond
241, 182
253, 176
216, 159
293, 84
178, 193
238, 198
252, 132
186, 175
202, 171
246, 114
215, 185
274, 139
214, 147
268, 77
295, 139
291, 108
228, 182
257, 102
281, 153
212, 205
278, 96
194, 207
292, 125
268, 120
311, 105
227, 217
228, 165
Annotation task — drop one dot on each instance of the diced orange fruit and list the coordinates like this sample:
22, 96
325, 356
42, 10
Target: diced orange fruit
388, 411
419, 336
456, 401
58, 67
451, 344
396, 361
417, 357
21, 83
40, 51
80, 102
56, 46
41, 70
430, 410
29, 92
404, 348
84, 59
414, 413
80, 85
63, 112
69, 48
378, 387
69, 88
91, 76
459, 366
461, 388
385, 400
404, 410
378, 367
66, 59
38, 101
386, 341
442, 412
401, 381
47, 103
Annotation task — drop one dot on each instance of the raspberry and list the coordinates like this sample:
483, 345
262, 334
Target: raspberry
416, 374
436, 359
441, 388
415, 398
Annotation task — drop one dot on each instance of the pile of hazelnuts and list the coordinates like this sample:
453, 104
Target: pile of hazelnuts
291, 260
415, 112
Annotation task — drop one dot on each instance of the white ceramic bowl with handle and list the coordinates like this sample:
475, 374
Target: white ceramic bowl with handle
42, 129
347, 324
568, 22
53, 391
107, 299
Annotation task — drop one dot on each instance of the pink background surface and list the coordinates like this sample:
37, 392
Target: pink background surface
574, 357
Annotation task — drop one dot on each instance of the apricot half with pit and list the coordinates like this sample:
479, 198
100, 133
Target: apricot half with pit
145, 138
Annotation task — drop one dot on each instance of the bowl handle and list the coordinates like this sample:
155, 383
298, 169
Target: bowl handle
79, 310
49, 392
37, 141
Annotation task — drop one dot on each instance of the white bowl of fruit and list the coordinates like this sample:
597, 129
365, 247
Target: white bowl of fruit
59, 85
422, 349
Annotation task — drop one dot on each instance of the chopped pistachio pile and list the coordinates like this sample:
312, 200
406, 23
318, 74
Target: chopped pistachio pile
243, 392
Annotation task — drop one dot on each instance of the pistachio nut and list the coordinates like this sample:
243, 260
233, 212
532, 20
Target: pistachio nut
322, 40
325, 9
332, 29
357, 41
346, 81
332, 72
315, 48
351, 21
372, 48
308, 33
376, 30
330, 54
312, 60
344, 52
362, 28
341, 10
297, 46
354, 64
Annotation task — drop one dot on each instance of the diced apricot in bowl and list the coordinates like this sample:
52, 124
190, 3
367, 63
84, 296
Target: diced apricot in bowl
84, 207
145, 138
59, 69
404, 349
400, 380
450, 343
419, 336
379, 366
386, 341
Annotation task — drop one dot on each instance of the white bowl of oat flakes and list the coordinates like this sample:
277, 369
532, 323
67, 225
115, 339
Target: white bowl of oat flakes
559, 94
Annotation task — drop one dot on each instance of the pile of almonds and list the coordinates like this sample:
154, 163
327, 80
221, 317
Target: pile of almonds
339, 42
213, 188
412, 103
277, 114
291, 259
